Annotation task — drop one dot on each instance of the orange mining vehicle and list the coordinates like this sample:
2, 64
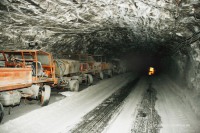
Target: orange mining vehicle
119, 66
87, 67
67, 73
90, 66
42, 71
105, 67
32, 73
25, 73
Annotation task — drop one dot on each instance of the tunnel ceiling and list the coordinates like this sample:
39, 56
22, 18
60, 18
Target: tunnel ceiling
98, 26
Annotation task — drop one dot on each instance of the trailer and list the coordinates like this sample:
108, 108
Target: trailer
30, 74
68, 73
93, 65
89, 66
118, 66
105, 67
42, 73
25, 74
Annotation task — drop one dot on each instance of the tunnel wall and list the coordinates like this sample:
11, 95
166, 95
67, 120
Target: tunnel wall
193, 76
184, 69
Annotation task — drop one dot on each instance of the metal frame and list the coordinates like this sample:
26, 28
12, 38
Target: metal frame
104, 64
34, 53
83, 70
87, 61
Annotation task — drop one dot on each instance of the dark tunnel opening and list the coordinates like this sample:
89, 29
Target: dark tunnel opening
141, 62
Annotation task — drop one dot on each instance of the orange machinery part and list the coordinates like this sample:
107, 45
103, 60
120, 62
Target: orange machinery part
49, 69
84, 67
15, 78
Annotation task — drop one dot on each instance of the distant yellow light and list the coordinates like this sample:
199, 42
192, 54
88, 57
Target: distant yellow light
151, 71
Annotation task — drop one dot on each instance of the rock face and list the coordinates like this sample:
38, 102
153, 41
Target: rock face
72, 25
184, 68
192, 75
166, 28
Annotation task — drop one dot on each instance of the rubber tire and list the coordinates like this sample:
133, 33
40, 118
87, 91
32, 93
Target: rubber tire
101, 75
1, 112
89, 79
45, 97
74, 85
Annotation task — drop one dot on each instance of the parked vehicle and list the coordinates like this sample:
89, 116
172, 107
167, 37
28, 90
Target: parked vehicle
118, 66
68, 73
30, 74
105, 67
94, 65
87, 68
25, 73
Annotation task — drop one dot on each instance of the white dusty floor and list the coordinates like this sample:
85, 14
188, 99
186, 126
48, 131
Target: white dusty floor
60, 117
123, 122
176, 114
27, 106
63, 115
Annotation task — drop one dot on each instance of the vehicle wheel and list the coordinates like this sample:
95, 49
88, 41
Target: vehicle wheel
45, 96
101, 75
110, 74
1, 112
89, 79
74, 85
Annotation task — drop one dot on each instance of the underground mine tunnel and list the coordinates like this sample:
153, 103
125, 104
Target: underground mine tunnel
91, 66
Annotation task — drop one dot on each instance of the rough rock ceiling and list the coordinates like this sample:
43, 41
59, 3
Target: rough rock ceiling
97, 25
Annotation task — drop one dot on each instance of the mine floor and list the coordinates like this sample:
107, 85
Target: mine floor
123, 104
